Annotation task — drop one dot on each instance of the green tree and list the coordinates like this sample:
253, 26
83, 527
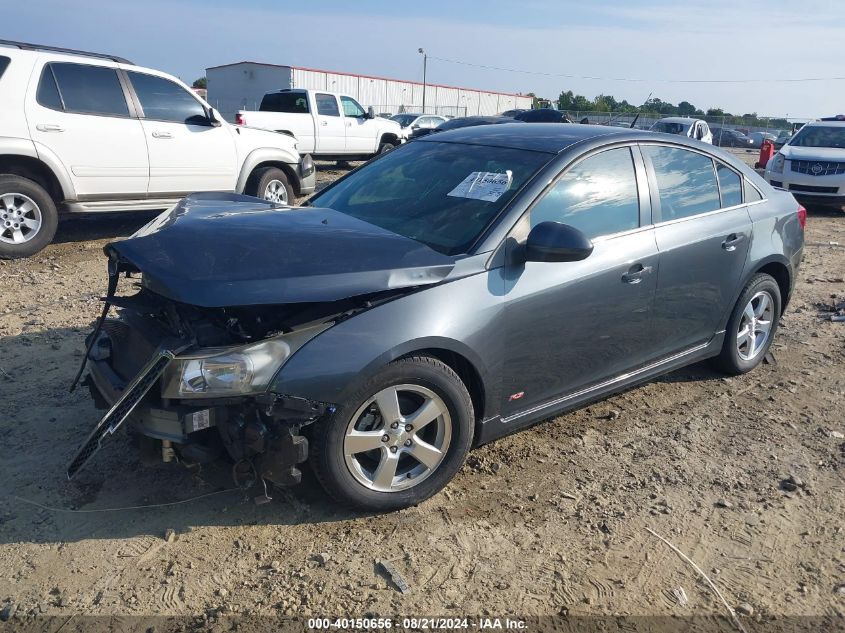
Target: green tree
202, 82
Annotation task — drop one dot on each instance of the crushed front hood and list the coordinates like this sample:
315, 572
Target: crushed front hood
216, 250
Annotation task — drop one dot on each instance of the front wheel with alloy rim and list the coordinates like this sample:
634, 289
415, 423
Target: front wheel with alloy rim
400, 439
271, 184
28, 217
752, 326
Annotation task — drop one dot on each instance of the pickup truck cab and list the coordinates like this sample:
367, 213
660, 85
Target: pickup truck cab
87, 132
327, 125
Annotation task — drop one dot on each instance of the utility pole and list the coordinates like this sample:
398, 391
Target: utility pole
425, 61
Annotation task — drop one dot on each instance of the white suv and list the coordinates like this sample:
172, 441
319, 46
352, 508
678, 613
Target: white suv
83, 132
811, 165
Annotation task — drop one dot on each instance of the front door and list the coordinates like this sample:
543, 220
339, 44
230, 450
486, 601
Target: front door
80, 113
703, 236
331, 128
360, 129
187, 153
574, 324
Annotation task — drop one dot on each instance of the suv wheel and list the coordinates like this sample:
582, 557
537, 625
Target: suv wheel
28, 217
271, 183
752, 326
399, 440
386, 147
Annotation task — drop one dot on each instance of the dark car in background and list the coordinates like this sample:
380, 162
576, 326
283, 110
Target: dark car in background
447, 293
543, 115
462, 122
726, 137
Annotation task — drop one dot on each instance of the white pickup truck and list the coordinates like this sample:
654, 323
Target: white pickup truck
326, 125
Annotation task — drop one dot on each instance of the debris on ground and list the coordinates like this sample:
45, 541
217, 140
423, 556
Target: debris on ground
394, 575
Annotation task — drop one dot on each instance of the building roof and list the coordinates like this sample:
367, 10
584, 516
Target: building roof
338, 72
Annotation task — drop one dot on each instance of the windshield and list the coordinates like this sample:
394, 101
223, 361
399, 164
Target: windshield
434, 192
668, 128
404, 119
820, 136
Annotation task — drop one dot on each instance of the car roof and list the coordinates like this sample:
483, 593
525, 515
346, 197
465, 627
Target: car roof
825, 124
539, 137
678, 119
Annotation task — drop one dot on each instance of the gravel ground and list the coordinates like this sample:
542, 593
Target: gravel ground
744, 475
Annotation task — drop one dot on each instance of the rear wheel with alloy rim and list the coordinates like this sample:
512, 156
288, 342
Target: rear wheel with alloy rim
752, 326
399, 440
28, 217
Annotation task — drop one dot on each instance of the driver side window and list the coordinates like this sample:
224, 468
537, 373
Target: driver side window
598, 196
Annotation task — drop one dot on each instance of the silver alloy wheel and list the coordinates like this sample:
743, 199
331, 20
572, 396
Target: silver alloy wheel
397, 438
20, 218
755, 326
275, 191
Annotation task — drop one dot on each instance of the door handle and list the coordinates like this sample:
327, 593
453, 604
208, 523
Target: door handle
49, 127
162, 135
732, 240
324, 122
636, 273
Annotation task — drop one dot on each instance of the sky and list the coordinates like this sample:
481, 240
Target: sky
656, 42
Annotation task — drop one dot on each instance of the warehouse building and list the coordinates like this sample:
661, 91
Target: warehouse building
240, 86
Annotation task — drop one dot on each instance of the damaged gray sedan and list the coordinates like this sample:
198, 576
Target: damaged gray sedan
445, 294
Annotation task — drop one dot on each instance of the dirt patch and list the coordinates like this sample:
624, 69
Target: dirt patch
744, 475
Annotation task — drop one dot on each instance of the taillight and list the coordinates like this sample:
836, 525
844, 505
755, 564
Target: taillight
239, 119
802, 216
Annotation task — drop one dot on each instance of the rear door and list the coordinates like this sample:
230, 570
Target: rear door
331, 128
572, 324
703, 232
82, 114
289, 112
186, 152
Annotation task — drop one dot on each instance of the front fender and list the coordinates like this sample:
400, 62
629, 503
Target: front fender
265, 155
462, 317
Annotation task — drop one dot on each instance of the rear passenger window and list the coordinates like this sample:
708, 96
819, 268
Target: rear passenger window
751, 193
598, 196
48, 94
327, 105
88, 89
730, 186
686, 181
4, 62
164, 100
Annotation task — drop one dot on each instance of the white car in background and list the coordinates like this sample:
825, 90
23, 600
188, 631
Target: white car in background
691, 128
84, 132
327, 125
811, 165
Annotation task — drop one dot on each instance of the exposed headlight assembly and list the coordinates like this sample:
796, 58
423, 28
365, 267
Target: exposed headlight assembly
777, 163
233, 371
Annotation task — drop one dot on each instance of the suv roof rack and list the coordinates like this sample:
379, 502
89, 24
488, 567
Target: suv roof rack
67, 51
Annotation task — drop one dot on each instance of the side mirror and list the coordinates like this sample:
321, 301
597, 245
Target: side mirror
213, 121
556, 242
371, 113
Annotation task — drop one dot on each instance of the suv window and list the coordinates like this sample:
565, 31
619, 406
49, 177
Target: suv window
598, 196
165, 100
83, 89
4, 62
48, 93
290, 102
730, 186
326, 105
351, 107
686, 181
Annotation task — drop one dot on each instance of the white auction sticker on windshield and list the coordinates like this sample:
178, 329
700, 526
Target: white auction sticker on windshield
483, 185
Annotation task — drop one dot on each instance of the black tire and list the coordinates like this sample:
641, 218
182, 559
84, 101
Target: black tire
327, 438
36, 239
730, 360
261, 179
386, 147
